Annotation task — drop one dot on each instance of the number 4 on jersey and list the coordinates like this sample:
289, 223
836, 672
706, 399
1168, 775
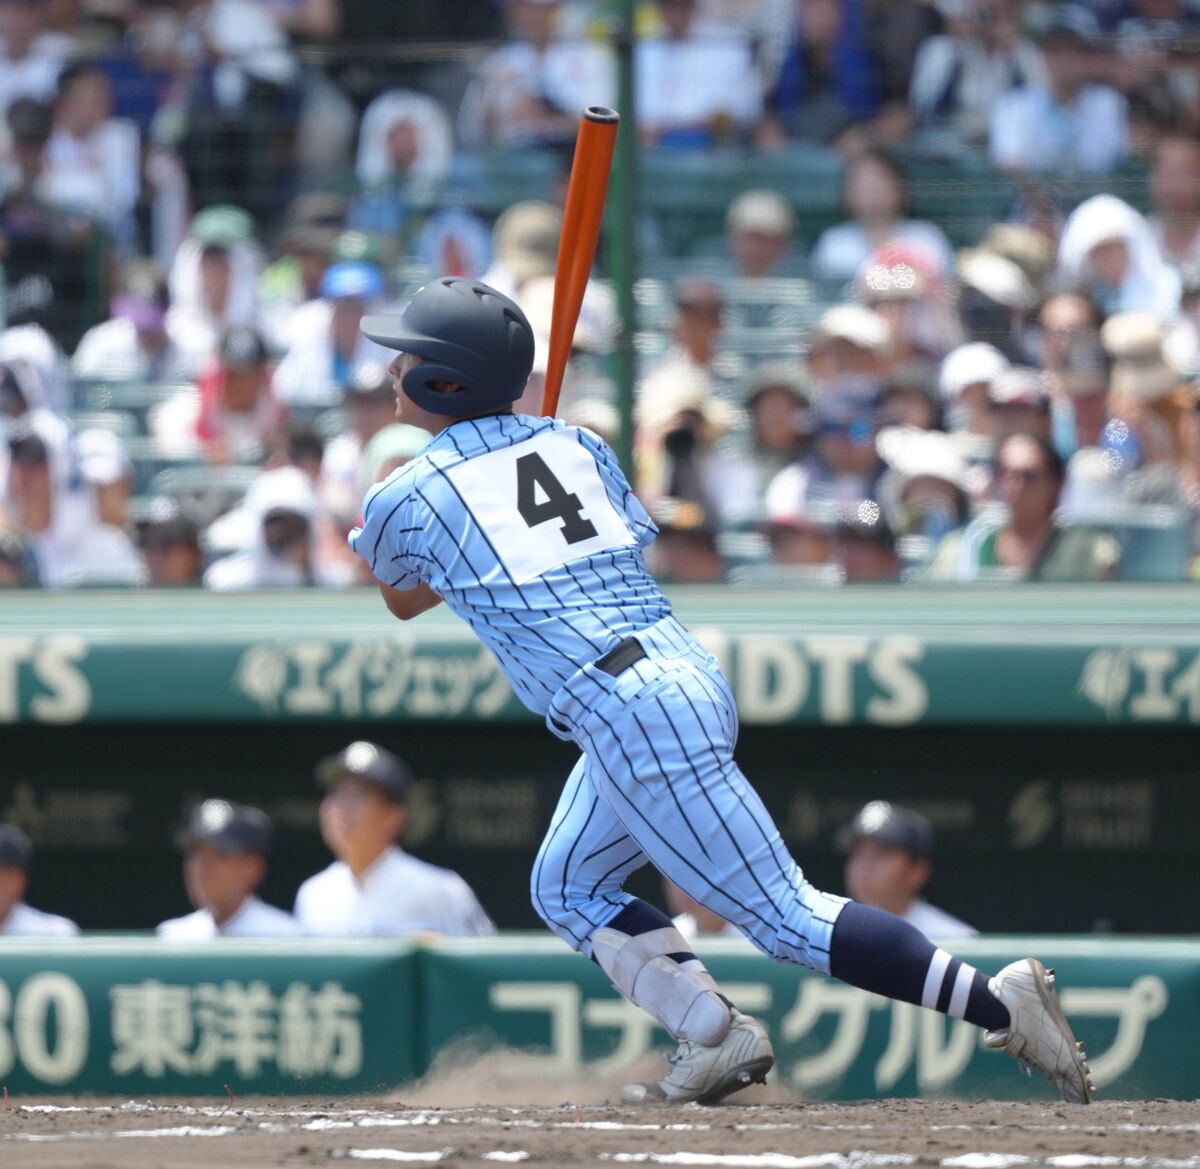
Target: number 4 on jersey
559, 504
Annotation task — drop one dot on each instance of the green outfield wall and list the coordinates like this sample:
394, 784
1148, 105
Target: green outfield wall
141, 1018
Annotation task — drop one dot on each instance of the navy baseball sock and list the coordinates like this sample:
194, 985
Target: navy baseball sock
878, 952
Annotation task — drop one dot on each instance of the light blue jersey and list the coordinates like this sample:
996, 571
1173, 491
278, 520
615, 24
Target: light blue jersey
528, 530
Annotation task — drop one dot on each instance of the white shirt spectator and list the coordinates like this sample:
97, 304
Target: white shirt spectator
684, 84
306, 373
843, 249
397, 895
34, 346
1031, 132
110, 351
23, 921
957, 81
35, 75
97, 175
936, 924
433, 138
254, 918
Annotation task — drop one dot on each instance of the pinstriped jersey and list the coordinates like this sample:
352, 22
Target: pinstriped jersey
528, 530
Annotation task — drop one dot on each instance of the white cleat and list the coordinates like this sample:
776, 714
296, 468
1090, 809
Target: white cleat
706, 1075
1040, 1036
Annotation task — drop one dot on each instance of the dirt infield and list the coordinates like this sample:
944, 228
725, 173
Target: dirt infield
255, 1134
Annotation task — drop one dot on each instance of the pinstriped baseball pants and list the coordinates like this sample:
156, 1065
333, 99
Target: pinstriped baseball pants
657, 784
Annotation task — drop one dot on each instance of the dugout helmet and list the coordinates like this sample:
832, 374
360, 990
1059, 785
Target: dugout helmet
467, 333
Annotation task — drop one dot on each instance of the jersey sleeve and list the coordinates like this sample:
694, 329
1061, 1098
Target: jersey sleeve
388, 537
619, 491
465, 916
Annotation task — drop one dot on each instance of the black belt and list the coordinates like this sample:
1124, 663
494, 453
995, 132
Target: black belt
620, 658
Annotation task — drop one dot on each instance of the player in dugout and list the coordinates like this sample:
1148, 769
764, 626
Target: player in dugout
527, 529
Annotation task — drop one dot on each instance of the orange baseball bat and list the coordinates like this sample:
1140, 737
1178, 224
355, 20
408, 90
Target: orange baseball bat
586, 192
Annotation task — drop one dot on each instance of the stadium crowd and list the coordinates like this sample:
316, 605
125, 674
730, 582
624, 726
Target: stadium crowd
919, 295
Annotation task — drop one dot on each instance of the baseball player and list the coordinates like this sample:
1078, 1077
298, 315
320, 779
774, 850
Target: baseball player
225, 860
527, 529
18, 920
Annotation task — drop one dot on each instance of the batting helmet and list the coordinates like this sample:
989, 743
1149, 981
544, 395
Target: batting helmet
467, 333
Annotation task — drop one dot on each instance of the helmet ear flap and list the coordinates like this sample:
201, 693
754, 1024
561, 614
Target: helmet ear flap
417, 385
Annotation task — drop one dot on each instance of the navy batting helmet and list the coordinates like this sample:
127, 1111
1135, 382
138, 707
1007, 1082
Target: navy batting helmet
467, 333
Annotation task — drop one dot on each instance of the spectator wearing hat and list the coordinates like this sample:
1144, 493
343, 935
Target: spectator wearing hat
232, 414
213, 282
685, 550
925, 492
797, 526
1022, 542
995, 300
844, 467
277, 536
889, 865
850, 350
17, 919
874, 202
529, 92
170, 546
965, 380
1069, 123
863, 545
695, 89
31, 57
1143, 391
758, 232
327, 346
960, 75
1108, 251
1019, 404
524, 246
134, 343
782, 422
225, 851
375, 888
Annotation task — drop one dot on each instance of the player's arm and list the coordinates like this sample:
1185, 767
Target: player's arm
405, 604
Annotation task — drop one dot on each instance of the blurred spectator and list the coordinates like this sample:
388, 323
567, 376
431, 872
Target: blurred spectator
405, 147
232, 414
826, 82
50, 256
369, 406
844, 467
685, 551
1023, 543
18, 568
680, 425
68, 492
1076, 371
995, 300
1019, 404
170, 545
282, 550
967, 376
1030, 250
864, 547
1175, 192
897, 29
1108, 251
93, 160
796, 525
758, 230
530, 91
891, 863
874, 199
910, 399
524, 246
455, 242
925, 490
902, 284
327, 346
30, 57
1143, 391
692, 919
850, 350
213, 282
699, 311
781, 416
134, 343
40, 358
18, 920
960, 75
1070, 123
300, 445
694, 90
374, 888
390, 449
225, 860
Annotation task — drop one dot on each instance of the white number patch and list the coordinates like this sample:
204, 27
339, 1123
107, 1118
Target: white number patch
542, 503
